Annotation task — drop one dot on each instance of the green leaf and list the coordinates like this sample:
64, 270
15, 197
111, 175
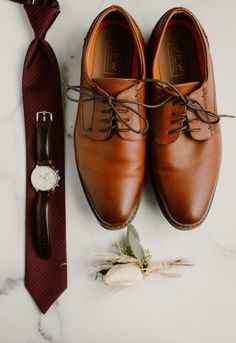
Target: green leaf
131, 228
125, 242
135, 246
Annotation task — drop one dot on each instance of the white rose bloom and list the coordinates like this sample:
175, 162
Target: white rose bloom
123, 275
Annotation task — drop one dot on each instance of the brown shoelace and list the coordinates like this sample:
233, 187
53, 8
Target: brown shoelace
116, 107
191, 104
122, 106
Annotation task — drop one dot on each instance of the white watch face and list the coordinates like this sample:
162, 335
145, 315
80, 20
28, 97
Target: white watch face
44, 178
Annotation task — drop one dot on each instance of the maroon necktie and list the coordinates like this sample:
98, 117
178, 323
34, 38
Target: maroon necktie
45, 278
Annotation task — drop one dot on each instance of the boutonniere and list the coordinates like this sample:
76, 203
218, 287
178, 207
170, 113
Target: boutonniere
130, 263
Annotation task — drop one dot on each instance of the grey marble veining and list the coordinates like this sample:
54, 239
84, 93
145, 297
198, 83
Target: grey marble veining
9, 285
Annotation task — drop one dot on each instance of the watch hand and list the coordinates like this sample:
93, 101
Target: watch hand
46, 176
42, 175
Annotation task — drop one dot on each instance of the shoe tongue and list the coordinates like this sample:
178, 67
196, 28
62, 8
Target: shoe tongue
114, 86
187, 88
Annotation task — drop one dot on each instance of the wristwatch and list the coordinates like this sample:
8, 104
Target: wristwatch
44, 178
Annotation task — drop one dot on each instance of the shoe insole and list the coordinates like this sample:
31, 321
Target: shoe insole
178, 56
115, 52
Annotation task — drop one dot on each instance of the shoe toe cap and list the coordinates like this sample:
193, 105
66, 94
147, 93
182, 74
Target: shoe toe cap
188, 213
114, 204
186, 208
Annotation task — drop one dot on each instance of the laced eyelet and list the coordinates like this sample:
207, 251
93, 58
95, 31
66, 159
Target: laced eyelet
172, 132
105, 129
171, 95
196, 120
122, 111
105, 111
197, 129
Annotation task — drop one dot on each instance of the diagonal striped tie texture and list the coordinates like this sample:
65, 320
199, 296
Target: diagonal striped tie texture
44, 279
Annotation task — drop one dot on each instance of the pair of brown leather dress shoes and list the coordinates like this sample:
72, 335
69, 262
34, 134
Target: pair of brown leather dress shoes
179, 118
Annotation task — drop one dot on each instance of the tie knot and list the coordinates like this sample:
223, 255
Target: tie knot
41, 18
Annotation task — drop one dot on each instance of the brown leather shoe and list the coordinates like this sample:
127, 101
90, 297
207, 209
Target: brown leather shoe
185, 140
110, 128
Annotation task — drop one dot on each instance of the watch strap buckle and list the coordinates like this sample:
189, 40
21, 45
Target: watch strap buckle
44, 116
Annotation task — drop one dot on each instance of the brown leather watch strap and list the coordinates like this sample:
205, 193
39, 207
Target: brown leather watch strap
42, 239
43, 125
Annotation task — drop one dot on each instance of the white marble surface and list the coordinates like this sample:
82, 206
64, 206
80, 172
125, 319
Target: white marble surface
200, 306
